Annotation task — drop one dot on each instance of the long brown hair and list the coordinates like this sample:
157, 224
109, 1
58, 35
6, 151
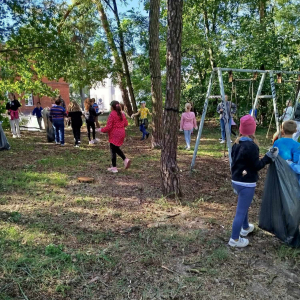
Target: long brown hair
116, 106
252, 137
87, 104
73, 106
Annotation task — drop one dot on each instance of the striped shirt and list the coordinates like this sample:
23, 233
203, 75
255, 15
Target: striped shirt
57, 113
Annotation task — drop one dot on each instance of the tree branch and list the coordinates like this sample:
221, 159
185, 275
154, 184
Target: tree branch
71, 7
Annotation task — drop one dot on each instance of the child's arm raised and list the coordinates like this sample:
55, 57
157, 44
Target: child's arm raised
259, 164
134, 115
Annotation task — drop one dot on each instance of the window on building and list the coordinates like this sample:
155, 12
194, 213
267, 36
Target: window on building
29, 100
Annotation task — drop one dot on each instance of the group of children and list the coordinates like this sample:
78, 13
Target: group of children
245, 151
115, 127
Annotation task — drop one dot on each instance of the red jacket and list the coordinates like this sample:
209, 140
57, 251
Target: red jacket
115, 128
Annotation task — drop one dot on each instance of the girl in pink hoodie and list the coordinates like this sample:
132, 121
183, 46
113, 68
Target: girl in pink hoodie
187, 123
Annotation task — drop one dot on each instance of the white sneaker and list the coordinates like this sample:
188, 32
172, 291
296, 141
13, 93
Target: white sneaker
62, 145
222, 142
127, 163
57, 143
19, 135
79, 142
220, 139
14, 136
245, 232
241, 243
76, 146
96, 141
188, 149
91, 142
113, 170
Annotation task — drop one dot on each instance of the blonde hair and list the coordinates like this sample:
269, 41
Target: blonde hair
87, 104
188, 106
73, 106
289, 127
252, 137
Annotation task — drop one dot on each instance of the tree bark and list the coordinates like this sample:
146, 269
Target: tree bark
207, 33
155, 72
118, 62
124, 59
82, 97
169, 169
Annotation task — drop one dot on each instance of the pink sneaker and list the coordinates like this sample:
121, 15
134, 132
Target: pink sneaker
113, 170
127, 163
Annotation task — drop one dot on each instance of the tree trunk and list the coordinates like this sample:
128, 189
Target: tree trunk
118, 62
82, 97
169, 169
207, 33
155, 72
124, 57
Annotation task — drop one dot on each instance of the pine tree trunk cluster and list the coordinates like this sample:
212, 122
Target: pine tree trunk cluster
169, 168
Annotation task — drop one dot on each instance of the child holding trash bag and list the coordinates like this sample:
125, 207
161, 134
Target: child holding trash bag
244, 168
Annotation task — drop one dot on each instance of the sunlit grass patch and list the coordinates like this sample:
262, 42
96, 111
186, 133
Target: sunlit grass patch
14, 180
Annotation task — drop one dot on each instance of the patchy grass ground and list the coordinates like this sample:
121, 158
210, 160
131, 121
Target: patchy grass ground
118, 238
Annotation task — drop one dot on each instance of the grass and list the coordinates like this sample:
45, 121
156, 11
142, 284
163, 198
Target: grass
118, 238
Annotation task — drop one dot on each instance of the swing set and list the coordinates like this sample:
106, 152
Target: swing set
219, 72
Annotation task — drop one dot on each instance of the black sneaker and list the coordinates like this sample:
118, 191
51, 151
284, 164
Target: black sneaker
142, 139
147, 135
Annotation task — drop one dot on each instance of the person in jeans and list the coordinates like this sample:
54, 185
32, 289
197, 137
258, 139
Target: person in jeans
38, 112
231, 110
90, 117
96, 108
187, 124
244, 170
57, 115
143, 112
115, 128
75, 116
13, 110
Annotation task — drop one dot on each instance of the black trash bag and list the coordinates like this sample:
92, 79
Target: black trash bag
280, 207
4, 145
48, 125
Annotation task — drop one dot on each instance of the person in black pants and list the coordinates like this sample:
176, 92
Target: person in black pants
90, 117
75, 116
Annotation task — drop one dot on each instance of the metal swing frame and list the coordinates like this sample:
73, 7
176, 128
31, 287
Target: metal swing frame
219, 72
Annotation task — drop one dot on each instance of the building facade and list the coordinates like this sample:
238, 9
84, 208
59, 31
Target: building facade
29, 101
106, 91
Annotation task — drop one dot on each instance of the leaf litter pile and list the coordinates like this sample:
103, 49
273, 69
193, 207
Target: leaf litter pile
118, 238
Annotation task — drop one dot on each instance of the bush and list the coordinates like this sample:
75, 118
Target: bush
3, 116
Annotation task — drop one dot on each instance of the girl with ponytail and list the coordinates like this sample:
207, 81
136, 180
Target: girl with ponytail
115, 128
